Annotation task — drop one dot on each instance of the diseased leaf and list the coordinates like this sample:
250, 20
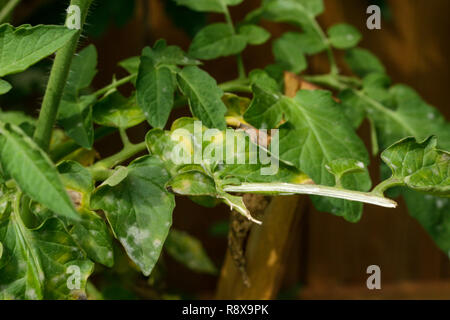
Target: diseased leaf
75, 112
155, 92
4, 87
217, 40
192, 183
139, 210
344, 36
362, 62
204, 96
115, 110
23, 46
33, 171
93, 236
40, 263
420, 166
189, 251
254, 34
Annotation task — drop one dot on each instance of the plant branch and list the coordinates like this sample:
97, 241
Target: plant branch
57, 82
332, 192
7, 10
115, 84
127, 152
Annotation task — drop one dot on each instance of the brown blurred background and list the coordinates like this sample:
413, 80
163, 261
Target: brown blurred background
330, 256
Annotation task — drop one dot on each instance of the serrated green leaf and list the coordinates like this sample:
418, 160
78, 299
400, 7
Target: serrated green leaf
33, 171
23, 46
420, 166
289, 52
254, 34
362, 62
139, 210
400, 112
75, 112
42, 263
344, 36
216, 40
189, 251
4, 87
116, 111
204, 96
155, 92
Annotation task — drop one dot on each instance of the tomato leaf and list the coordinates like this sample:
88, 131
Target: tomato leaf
217, 40
139, 210
33, 171
23, 46
204, 96
38, 263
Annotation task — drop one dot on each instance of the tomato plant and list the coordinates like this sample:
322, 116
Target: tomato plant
61, 208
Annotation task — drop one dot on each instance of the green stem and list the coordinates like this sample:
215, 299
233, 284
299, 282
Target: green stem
126, 153
238, 85
124, 137
57, 82
311, 189
334, 68
114, 85
7, 10
240, 61
386, 184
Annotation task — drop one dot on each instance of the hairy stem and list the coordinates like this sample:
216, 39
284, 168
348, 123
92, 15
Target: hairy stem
7, 10
288, 188
57, 81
